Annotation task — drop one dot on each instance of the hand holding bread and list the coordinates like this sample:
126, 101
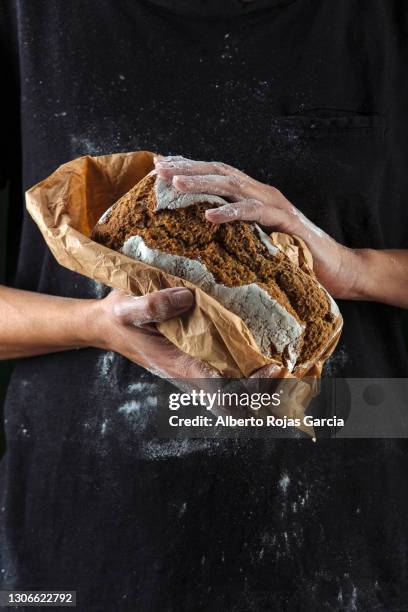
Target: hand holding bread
257, 299
336, 266
291, 318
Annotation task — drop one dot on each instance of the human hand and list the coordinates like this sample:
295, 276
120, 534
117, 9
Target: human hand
126, 325
336, 266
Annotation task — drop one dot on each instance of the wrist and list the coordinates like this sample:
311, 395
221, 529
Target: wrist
87, 323
359, 265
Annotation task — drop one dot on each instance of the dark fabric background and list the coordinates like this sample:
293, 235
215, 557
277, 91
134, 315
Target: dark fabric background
317, 92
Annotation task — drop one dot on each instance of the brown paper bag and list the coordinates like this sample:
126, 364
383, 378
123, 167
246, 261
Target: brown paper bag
67, 205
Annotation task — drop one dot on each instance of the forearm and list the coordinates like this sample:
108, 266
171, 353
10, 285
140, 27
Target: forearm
382, 276
34, 324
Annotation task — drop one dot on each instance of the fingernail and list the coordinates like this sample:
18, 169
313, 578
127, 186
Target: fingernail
275, 368
181, 298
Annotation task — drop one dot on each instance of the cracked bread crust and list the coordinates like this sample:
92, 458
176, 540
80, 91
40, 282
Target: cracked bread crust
232, 252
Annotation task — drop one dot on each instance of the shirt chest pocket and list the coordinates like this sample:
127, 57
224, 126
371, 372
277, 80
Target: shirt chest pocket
332, 168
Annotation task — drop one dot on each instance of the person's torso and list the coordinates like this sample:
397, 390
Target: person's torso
299, 95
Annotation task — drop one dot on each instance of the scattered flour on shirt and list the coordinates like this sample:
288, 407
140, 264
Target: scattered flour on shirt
103, 426
284, 483
157, 449
336, 362
105, 363
85, 146
137, 412
183, 509
97, 289
141, 387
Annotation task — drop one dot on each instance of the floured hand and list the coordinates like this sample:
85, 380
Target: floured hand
335, 265
126, 325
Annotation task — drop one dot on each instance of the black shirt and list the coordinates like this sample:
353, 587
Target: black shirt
307, 96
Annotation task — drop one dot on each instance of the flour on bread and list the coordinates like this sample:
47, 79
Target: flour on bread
268, 321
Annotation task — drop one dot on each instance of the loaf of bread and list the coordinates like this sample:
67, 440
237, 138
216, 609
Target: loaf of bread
290, 315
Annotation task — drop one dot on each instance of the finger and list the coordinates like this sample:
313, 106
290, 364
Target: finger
251, 210
228, 186
169, 167
271, 370
157, 158
154, 307
190, 367
245, 210
167, 158
167, 361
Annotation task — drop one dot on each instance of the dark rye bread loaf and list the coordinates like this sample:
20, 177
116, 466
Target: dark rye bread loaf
291, 316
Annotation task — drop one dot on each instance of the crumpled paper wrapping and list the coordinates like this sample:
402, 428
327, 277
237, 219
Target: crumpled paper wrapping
67, 205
